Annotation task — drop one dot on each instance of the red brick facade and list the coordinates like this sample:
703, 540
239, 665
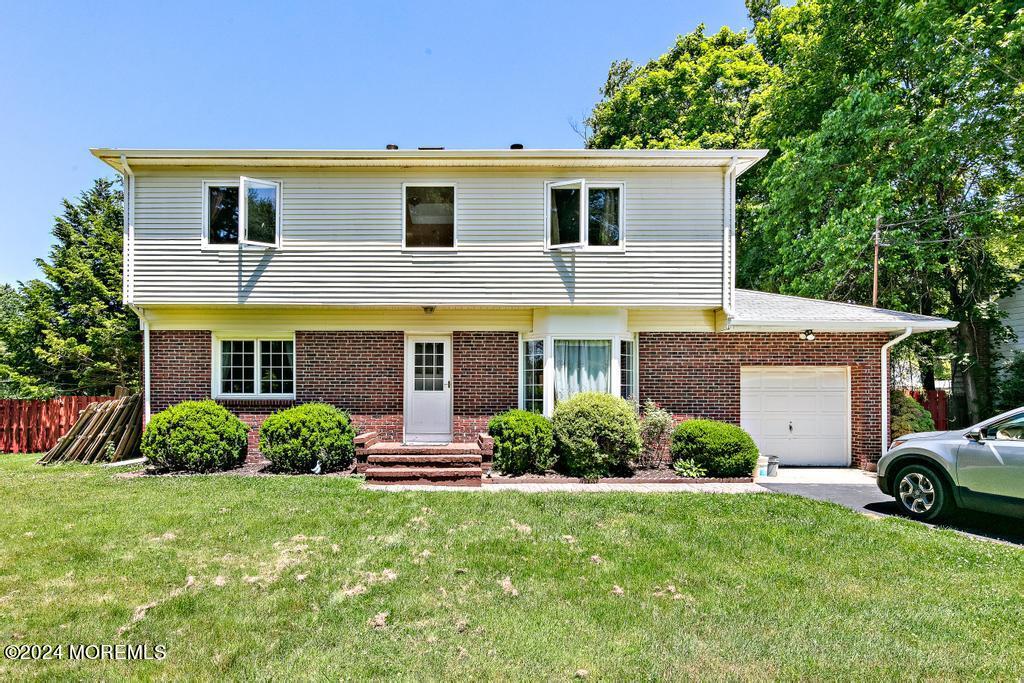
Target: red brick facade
697, 374
179, 362
361, 372
485, 379
691, 374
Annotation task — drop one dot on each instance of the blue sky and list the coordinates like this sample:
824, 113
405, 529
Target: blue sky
297, 75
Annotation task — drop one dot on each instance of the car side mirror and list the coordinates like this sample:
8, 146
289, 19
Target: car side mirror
975, 435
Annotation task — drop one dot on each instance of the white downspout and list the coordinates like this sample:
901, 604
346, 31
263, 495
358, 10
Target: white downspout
128, 277
144, 325
728, 240
885, 384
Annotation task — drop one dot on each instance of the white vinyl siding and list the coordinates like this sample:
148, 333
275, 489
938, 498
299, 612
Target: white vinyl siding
1014, 308
341, 243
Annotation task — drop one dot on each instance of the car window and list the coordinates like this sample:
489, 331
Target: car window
1008, 430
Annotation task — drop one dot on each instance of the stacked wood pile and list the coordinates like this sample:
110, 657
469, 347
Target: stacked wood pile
105, 432
35, 425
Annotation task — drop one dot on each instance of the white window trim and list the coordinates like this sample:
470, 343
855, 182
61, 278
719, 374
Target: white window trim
635, 366
215, 383
243, 213
455, 215
207, 184
584, 243
615, 386
236, 181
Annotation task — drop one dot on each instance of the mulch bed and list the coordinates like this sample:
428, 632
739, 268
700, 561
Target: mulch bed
257, 468
644, 476
662, 475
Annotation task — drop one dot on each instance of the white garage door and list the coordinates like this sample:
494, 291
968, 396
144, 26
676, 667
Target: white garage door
800, 414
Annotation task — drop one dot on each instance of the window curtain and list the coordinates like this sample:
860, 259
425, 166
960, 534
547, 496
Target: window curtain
582, 365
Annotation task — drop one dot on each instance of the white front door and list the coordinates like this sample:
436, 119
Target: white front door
801, 414
428, 389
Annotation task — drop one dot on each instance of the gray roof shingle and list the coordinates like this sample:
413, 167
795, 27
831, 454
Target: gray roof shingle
761, 309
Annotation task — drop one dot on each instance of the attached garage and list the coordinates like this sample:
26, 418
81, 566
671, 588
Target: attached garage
801, 414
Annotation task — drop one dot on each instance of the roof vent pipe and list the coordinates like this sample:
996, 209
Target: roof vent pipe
391, 146
516, 145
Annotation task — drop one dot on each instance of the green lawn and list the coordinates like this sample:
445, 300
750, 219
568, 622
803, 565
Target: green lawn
289, 571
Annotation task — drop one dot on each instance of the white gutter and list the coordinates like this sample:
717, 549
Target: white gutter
128, 238
728, 239
885, 384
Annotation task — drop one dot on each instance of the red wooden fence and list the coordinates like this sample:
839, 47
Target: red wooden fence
935, 402
33, 426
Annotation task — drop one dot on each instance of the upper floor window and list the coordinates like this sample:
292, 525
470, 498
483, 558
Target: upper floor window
582, 214
429, 216
230, 219
221, 213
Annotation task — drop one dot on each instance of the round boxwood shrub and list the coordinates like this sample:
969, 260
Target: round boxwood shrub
195, 436
296, 439
597, 435
523, 442
724, 450
908, 416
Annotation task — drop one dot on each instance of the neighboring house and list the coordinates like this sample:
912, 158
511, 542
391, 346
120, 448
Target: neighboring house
1013, 305
424, 291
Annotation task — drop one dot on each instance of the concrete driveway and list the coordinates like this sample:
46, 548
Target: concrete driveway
856, 490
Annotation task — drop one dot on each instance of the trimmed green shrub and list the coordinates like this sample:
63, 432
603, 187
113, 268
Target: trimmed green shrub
523, 442
597, 435
195, 436
907, 416
296, 439
722, 449
655, 430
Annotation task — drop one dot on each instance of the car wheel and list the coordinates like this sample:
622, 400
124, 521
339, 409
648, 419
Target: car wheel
921, 493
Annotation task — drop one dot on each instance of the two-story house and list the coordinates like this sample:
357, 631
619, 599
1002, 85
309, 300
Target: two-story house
426, 290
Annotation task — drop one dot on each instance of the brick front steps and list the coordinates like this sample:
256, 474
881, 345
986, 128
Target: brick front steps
464, 464
453, 464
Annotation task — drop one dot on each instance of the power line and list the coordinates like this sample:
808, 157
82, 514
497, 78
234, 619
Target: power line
947, 217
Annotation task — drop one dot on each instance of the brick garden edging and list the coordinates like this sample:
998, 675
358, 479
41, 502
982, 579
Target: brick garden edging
528, 479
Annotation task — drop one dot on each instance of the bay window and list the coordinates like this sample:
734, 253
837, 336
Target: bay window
254, 368
554, 368
583, 214
533, 375
582, 365
627, 369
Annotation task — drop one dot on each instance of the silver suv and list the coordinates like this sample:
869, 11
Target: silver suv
930, 474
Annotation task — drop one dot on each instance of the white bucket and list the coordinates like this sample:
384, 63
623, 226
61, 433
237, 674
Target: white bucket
762, 466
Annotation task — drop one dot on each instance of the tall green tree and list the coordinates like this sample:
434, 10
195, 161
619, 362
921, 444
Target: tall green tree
909, 114
704, 93
70, 332
893, 111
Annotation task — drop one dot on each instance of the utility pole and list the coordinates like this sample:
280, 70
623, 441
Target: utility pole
878, 237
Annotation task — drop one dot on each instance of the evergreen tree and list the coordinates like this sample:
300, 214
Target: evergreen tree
70, 332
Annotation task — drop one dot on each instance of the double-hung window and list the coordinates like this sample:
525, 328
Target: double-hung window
242, 211
255, 368
582, 214
554, 368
